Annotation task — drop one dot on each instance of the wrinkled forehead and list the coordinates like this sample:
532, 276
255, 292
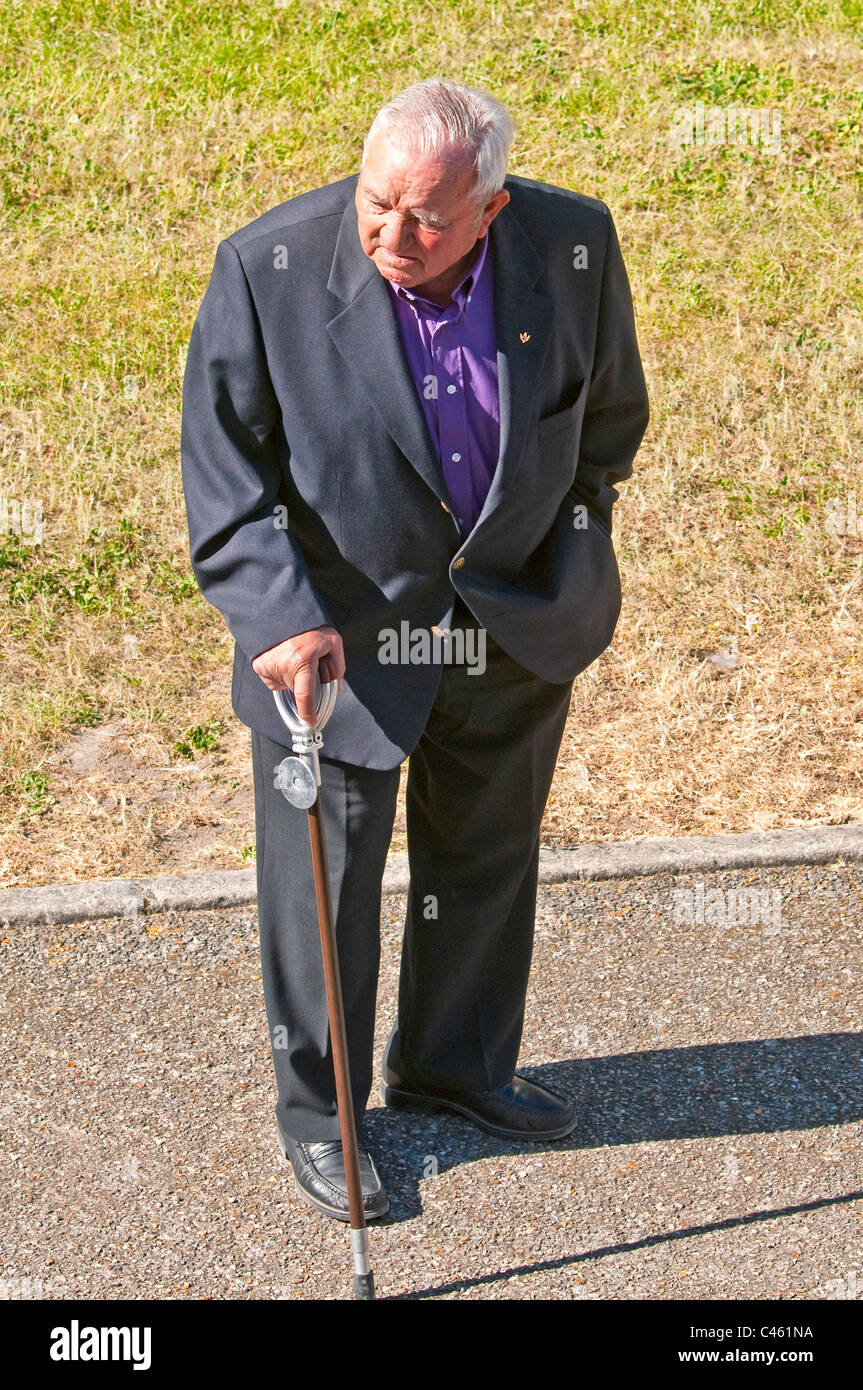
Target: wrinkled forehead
395, 167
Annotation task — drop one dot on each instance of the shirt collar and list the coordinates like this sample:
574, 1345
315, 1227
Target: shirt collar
461, 291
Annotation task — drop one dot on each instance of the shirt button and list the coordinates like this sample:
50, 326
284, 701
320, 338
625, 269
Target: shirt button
451, 390
457, 564
456, 458
461, 521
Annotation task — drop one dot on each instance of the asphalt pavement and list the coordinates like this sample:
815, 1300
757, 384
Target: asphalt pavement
713, 1042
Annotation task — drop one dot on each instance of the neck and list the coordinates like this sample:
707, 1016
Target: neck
440, 289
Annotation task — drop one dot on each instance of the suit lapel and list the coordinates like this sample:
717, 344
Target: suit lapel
524, 320
367, 336
366, 333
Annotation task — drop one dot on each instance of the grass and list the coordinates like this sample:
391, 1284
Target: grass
134, 138
198, 739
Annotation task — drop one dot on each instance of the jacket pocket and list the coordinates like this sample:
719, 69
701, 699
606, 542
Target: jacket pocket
561, 420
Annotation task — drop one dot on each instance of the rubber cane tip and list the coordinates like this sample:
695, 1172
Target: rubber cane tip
364, 1286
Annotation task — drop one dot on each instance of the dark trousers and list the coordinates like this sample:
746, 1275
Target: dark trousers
477, 785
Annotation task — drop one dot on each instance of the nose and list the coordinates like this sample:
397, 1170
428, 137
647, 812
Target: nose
395, 234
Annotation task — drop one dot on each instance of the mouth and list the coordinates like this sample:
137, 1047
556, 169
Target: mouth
389, 258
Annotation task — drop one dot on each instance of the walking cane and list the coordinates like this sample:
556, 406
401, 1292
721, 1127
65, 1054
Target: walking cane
299, 778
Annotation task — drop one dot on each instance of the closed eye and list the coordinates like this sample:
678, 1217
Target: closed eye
431, 224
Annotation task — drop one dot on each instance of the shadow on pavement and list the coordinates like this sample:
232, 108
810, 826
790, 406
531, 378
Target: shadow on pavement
642, 1097
626, 1247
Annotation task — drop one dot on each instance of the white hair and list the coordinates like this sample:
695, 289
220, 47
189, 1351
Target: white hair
434, 117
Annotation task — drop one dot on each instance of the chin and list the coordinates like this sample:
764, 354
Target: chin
404, 278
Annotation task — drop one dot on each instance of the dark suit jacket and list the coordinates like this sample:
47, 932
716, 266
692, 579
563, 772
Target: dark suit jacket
297, 395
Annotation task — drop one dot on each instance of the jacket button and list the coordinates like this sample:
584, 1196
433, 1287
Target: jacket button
457, 564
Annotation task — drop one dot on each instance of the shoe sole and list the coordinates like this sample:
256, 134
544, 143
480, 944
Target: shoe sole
322, 1206
396, 1099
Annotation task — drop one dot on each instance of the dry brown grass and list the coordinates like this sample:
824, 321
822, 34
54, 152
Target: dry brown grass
745, 273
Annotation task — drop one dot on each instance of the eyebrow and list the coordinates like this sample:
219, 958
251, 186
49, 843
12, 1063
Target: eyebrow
415, 212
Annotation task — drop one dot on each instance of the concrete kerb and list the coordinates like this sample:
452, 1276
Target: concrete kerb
126, 897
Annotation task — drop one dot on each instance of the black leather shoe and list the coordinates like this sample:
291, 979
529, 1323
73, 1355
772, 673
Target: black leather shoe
518, 1110
319, 1177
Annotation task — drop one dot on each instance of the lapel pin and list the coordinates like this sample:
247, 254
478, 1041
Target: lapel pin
525, 337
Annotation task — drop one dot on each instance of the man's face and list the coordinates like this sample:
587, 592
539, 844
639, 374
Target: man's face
416, 219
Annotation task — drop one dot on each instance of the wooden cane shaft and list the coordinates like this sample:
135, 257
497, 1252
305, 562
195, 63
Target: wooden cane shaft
336, 1011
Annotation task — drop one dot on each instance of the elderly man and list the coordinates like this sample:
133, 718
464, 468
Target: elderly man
408, 397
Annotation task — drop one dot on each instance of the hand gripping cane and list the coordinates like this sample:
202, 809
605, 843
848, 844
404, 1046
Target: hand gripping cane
299, 778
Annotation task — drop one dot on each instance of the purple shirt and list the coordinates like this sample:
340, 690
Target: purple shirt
452, 354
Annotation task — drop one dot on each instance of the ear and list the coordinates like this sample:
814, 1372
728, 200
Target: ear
491, 210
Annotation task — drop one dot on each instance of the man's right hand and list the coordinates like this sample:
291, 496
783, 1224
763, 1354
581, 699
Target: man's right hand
297, 663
